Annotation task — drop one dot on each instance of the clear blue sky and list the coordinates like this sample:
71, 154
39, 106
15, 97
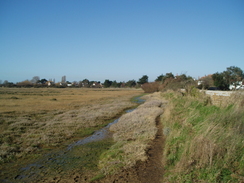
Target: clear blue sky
119, 39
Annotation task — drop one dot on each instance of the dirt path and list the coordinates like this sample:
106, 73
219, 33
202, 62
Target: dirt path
152, 170
144, 172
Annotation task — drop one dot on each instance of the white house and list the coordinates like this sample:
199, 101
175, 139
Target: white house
239, 86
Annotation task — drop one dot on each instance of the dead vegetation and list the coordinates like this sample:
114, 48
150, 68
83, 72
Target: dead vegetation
132, 134
31, 120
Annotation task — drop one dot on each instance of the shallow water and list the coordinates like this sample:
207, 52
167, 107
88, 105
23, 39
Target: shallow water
98, 135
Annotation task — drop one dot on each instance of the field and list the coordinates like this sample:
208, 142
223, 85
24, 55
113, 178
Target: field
172, 136
33, 120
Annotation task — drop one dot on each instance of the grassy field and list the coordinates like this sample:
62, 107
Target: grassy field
204, 142
33, 119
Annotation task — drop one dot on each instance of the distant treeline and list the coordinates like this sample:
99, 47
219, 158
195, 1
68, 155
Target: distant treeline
230, 79
233, 76
85, 83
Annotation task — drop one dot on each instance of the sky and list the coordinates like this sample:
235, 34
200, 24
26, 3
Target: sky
119, 40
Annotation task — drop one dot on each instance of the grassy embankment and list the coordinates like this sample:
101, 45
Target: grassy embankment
204, 143
32, 120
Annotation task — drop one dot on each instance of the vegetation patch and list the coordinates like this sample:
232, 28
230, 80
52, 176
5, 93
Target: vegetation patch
132, 133
204, 142
35, 124
83, 159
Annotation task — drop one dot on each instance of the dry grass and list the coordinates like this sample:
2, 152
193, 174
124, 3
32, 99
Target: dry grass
204, 142
35, 99
132, 134
33, 119
237, 98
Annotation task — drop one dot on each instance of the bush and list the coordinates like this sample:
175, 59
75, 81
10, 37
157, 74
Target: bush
151, 87
176, 84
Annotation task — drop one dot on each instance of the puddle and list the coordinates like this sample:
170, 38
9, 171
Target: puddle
104, 132
98, 135
76, 155
138, 100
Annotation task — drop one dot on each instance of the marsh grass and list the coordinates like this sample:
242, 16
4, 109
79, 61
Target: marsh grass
204, 142
82, 160
132, 133
35, 121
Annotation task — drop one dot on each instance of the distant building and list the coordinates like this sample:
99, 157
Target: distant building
96, 85
237, 86
63, 80
50, 83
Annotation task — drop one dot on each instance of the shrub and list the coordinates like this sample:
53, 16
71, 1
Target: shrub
176, 83
151, 87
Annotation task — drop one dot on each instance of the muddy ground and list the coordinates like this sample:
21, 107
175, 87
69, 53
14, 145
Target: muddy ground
143, 172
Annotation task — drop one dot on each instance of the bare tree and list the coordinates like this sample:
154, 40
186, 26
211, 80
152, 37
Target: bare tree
35, 79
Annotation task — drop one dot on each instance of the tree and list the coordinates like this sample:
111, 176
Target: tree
143, 79
233, 74
205, 82
8, 84
168, 75
220, 81
42, 81
35, 79
107, 83
75, 83
160, 78
115, 84
182, 77
5, 83
84, 83
130, 83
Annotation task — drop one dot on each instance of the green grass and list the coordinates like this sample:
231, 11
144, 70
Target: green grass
83, 159
204, 142
97, 177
